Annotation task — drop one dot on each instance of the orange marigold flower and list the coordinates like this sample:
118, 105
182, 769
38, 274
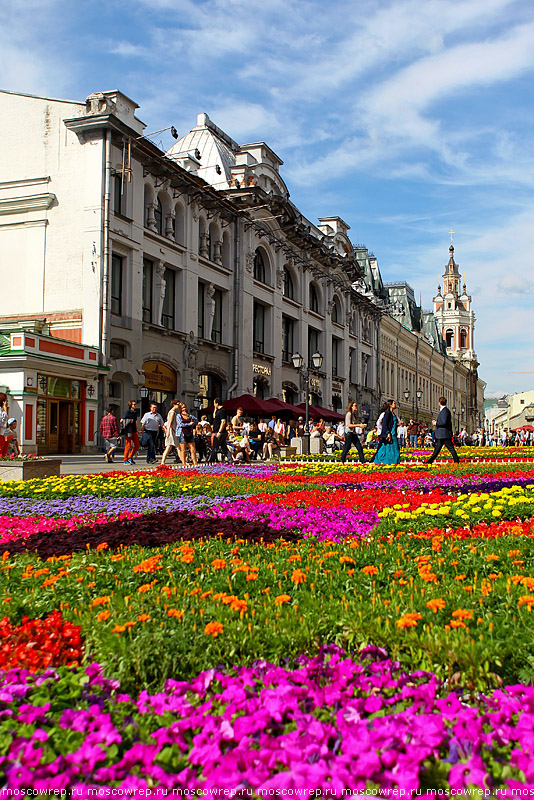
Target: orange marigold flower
146, 587
370, 570
218, 563
409, 620
213, 628
149, 565
102, 546
100, 601
116, 557
460, 577
457, 623
252, 576
294, 557
298, 576
281, 599
346, 560
175, 612
492, 557
239, 605
526, 600
436, 604
462, 613
118, 629
143, 617
129, 624
103, 615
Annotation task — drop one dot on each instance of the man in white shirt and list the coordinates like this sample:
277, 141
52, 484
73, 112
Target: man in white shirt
150, 425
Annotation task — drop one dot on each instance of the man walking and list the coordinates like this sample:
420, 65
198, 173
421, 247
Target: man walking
443, 433
220, 433
109, 428
412, 431
150, 426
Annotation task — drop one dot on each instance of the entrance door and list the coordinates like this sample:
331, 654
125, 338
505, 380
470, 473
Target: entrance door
53, 426
65, 445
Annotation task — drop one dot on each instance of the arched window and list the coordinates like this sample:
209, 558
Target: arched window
314, 299
210, 388
261, 388
449, 337
158, 213
336, 311
259, 267
226, 250
463, 338
288, 288
179, 223
288, 395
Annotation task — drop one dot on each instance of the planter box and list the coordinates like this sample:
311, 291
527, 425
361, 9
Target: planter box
24, 470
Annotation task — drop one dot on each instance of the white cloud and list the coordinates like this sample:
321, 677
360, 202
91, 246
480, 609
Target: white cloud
516, 284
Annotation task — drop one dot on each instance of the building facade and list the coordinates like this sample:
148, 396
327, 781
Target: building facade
184, 273
182, 288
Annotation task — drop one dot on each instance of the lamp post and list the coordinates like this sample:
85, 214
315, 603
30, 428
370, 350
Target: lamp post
453, 418
418, 394
196, 403
406, 394
463, 415
298, 363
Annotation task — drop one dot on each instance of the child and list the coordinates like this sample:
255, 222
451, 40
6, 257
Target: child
11, 436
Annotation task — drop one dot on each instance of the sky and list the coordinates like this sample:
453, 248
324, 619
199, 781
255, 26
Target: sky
406, 118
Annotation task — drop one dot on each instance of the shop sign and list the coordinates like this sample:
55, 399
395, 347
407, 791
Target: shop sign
261, 369
160, 376
315, 383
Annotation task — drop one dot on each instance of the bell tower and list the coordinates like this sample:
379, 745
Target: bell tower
454, 315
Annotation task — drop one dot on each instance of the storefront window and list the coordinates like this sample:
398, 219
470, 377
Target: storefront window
59, 387
75, 390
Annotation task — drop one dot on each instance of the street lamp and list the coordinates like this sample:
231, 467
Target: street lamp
463, 414
143, 392
406, 394
419, 394
298, 363
196, 403
453, 417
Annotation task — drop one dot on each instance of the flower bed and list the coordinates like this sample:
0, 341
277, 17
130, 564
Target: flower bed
157, 576
330, 724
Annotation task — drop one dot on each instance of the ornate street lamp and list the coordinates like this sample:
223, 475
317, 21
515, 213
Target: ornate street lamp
298, 363
419, 394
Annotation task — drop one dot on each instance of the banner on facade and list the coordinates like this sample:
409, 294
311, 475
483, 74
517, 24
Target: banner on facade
159, 376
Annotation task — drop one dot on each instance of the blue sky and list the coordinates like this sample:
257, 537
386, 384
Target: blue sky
407, 118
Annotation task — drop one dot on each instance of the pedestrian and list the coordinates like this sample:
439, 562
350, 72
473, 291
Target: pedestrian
402, 433
220, 434
4, 416
151, 424
443, 432
353, 431
130, 432
185, 424
412, 430
388, 447
109, 428
12, 439
170, 431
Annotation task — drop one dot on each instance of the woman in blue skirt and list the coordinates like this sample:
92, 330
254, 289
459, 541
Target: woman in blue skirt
388, 445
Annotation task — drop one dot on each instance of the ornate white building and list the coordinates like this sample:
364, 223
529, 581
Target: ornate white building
134, 276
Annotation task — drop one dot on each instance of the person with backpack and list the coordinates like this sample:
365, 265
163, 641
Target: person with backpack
353, 431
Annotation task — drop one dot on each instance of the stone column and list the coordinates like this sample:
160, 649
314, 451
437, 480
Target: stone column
159, 291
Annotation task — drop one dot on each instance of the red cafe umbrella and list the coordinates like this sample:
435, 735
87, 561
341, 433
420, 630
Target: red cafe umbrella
314, 414
286, 408
327, 413
529, 428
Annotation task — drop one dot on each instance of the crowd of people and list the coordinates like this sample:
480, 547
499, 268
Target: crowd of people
239, 438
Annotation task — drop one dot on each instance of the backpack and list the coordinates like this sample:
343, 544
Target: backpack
379, 424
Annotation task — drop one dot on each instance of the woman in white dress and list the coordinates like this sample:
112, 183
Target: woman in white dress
170, 431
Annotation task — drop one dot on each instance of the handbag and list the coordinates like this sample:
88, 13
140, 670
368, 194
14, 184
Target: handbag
145, 439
